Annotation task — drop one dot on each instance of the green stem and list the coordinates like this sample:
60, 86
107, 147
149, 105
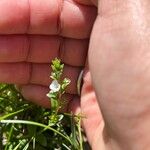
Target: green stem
12, 114
4, 88
35, 124
1, 137
80, 134
10, 135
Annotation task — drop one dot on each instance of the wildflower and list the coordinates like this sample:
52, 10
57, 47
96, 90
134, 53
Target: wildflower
54, 86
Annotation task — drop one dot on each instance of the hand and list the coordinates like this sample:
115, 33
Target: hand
120, 71
32, 33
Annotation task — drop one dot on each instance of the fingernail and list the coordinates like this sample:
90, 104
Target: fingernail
17, 87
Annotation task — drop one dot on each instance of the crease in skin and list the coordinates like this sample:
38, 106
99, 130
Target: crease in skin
71, 1
59, 18
87, 2
28, 49
29, 17
49, 18
38, 18
61, 51
30, 72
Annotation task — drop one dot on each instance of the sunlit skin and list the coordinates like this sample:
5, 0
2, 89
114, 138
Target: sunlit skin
32, 33
115, 94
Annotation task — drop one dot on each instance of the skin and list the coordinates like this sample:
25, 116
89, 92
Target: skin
35, 33
119, 67
115, 94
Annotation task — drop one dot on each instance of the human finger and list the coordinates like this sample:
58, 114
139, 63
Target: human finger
66, 18
42, 49
37, 95
120, 50
25, 73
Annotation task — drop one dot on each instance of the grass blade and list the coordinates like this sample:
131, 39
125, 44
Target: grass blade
35, 124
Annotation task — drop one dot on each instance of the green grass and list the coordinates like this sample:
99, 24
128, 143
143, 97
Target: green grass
25, 126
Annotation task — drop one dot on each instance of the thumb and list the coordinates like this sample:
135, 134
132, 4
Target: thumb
118, 52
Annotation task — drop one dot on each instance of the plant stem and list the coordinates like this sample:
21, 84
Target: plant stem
12, 114
1, 137
80, 134
35, 124
9, 138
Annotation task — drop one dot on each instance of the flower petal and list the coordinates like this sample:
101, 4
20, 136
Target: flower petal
54, 86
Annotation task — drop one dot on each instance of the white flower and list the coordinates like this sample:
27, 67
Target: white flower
54, 86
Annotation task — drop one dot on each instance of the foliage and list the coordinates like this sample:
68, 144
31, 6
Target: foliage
25, 126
